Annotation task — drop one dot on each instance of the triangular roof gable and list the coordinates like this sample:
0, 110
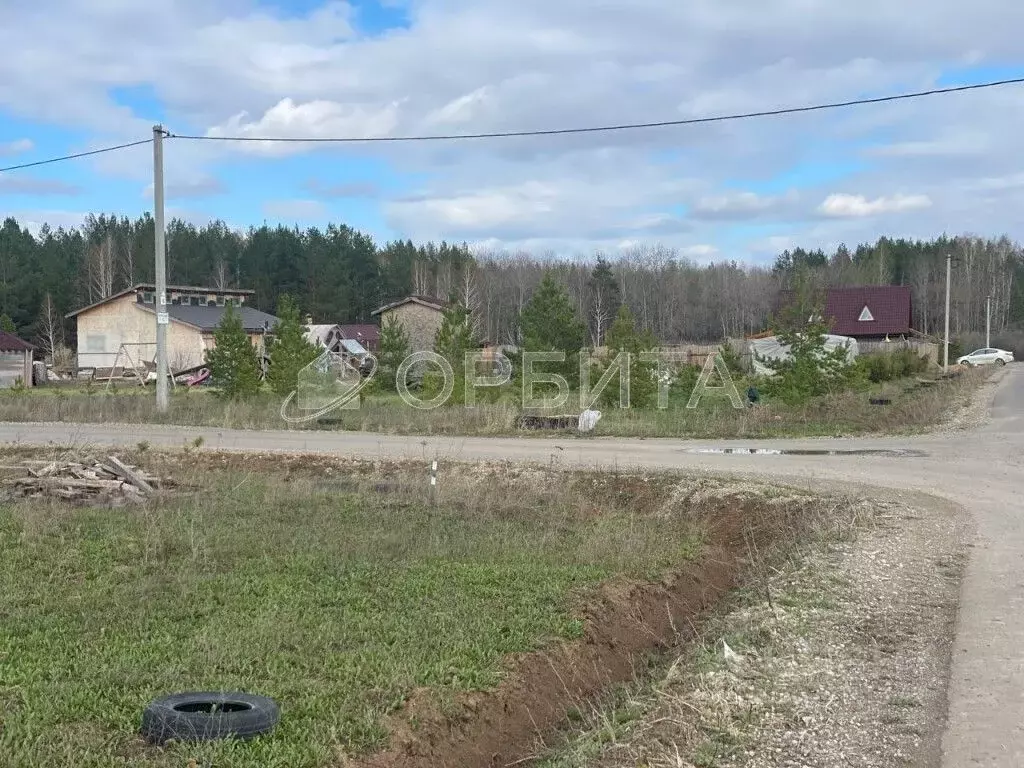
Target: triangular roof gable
866, 316
890, 308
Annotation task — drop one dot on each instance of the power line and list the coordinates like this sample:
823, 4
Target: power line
549, 132
620, 127
76, 155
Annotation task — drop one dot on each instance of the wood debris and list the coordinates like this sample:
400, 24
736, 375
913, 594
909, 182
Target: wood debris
109, 481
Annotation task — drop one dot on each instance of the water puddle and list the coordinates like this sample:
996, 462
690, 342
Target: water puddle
904, 452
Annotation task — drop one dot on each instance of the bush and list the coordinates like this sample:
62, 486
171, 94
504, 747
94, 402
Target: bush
890, 366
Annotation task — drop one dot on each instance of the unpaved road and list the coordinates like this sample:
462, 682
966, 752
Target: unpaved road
981, 469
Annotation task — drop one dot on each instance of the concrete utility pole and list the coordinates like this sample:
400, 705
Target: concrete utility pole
988, 321
161, 269
949, 271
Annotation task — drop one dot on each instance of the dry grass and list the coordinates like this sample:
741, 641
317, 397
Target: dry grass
833, 654
914, 408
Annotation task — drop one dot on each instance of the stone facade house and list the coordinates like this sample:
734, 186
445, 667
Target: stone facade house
420, 315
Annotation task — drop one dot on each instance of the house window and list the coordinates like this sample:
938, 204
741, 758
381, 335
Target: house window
220, 301
95, 342
865, 315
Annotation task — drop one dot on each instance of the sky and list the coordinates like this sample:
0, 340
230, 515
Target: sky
78, 75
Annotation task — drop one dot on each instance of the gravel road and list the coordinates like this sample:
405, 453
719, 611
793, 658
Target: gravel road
977, 462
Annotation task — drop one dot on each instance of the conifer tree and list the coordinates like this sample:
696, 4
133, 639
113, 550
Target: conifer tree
233, 362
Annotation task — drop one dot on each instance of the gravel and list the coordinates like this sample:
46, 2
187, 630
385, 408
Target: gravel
842, 660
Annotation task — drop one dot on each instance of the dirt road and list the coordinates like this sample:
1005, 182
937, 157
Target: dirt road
981, 469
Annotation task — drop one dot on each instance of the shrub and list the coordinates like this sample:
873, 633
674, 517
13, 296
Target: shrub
890, 366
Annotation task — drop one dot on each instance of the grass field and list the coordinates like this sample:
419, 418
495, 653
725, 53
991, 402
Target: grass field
913, 408
335, 588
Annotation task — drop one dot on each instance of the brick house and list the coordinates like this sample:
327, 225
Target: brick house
126, 322
870, 312
420, 315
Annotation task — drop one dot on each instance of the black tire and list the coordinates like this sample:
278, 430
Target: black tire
1000, 361
205, 716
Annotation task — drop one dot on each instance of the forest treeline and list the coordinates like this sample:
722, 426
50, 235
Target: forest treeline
341, 275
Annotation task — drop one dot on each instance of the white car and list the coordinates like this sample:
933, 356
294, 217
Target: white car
987, 356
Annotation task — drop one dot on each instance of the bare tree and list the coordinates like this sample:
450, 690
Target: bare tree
469, 297
51, 330
420, 278
221, 275
102, 263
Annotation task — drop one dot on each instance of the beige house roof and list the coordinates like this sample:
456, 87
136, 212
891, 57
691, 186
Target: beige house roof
426, 301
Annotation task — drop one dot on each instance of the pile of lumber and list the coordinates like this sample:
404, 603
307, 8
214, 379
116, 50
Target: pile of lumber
108, 481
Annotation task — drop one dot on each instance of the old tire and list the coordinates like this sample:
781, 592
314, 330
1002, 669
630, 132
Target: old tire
205, 716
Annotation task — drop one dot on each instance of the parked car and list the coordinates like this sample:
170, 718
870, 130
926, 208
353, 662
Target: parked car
987, 356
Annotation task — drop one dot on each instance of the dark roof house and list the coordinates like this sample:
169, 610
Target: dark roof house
208, 318
11, 343
870, 311
367, 335
15, 361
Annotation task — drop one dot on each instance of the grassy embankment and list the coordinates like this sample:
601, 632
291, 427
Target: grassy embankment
914, 407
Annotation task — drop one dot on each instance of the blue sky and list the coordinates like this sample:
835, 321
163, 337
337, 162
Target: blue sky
316, 68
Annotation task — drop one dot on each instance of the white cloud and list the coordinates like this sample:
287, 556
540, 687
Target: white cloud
740, 205
30, 185
205, 186
312, 120
699, 251
230, 67
461, 110
296, 210
843, 205
15, 147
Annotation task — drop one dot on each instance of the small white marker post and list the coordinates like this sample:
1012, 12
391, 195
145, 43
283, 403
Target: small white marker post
433, 482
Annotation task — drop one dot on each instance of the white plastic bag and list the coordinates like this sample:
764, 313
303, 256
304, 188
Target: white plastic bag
588, 420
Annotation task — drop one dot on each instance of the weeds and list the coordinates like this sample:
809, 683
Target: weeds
914, 407
335, 591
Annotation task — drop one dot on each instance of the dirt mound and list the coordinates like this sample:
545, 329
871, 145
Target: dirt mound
625, 622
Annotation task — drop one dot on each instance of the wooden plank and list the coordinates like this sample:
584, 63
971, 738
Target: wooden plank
71, 482
129, 474
44, 471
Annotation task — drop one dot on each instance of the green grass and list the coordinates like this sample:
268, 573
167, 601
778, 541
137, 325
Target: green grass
336, 595
913, 408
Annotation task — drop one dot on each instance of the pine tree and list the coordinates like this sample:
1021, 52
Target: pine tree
454, 338
549, 323
289, 351
624, 337
233, 362
394, 348
6, 324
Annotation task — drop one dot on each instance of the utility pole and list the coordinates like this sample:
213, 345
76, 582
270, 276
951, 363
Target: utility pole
988, 321
949, 271
161, 269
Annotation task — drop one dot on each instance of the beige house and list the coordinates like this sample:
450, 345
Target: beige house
420, 315
120, 330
